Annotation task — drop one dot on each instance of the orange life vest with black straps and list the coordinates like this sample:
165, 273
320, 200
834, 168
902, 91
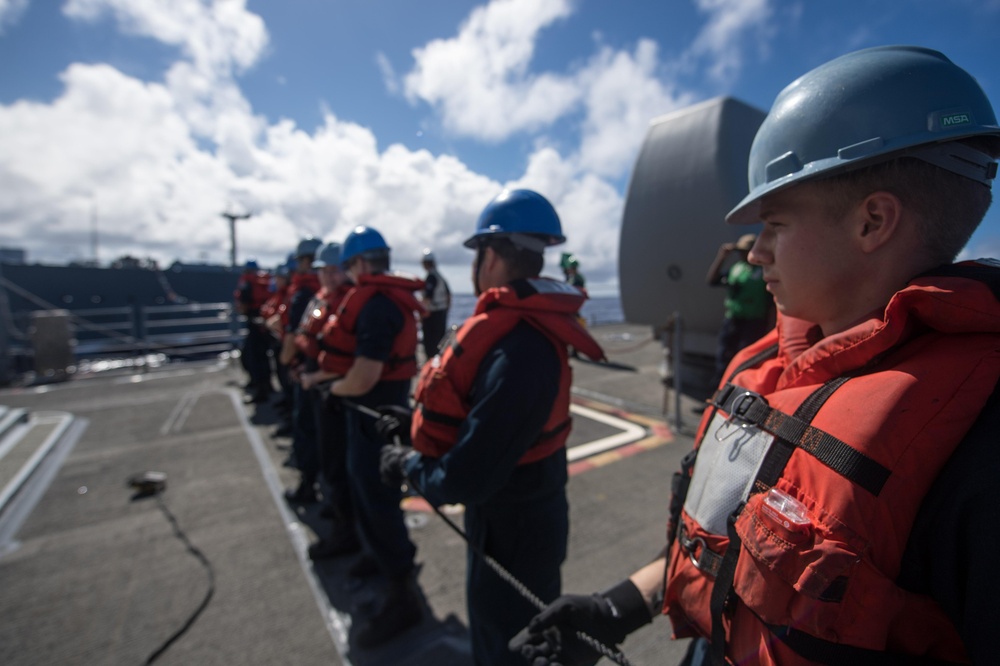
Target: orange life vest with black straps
810, 469
323, 305
300, 282
296, 283
446, 381
260, 289
274, 303
338, 341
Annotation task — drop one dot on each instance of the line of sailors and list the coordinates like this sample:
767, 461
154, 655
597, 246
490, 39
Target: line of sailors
491, 423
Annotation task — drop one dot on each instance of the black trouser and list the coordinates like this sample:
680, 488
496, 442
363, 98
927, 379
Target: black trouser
433, 330
255, 358
304, 434
281, 370
331, 436
379, 517
529, 540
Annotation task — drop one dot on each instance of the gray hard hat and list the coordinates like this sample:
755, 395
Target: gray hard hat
866, 107
328, 255
307, 247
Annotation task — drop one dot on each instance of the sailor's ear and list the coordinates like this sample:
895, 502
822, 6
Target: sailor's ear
878, 219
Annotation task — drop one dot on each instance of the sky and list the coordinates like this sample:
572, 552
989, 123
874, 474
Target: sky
130, 126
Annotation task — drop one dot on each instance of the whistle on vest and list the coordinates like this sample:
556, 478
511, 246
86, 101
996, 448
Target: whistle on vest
786, 511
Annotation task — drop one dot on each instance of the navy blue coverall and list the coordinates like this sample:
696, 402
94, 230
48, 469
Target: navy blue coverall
379, 517
304, 442
518, 514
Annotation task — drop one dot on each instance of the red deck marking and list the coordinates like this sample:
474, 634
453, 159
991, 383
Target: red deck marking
415, 504
660, 434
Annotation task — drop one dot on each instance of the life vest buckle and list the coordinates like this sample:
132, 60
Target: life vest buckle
701, 556
744, 407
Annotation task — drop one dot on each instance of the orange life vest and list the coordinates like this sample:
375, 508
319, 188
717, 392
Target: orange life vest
260, 288
446, 380
272, 305
338, 341
300, 282
811, 468
323, 305
297, 283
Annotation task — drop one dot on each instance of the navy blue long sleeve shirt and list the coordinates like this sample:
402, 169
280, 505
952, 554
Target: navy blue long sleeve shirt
512, 397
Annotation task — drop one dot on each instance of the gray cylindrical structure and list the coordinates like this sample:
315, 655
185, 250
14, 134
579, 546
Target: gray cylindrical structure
691, 170
52, 341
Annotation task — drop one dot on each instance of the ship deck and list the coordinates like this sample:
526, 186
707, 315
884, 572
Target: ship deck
91, 573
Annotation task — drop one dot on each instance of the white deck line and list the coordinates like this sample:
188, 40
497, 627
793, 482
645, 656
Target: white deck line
179, 413
631, 432
62, 422
61, 440
337, 623
12, 436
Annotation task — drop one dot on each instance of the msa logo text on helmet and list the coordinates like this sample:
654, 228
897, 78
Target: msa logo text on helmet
956, 119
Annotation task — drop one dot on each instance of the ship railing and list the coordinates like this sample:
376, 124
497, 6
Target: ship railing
180, 330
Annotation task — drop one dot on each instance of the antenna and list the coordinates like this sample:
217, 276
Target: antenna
232, 217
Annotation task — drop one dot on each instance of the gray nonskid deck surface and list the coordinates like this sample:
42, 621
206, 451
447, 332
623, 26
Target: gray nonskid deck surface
97, 577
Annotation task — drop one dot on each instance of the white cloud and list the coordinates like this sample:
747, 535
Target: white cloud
111, 145
982, 244
10, 12
482, 86
589, 209
721, 41
389, 78
623, 93
480, 82
122, 152
155, 163
220, 37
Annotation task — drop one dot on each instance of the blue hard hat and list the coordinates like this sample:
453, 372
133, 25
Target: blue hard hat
251, 265
288, 266
867, 107
362, 241
328, 255
307, 247
525, 217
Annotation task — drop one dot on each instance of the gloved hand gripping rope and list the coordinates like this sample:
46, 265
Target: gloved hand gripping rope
390, 424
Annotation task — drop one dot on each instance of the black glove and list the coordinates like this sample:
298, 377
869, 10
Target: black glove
390, 466
394, 422
334, 403
550, 638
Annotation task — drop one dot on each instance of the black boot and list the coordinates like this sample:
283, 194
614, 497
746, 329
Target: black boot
363, 567
333, 512
304, 494
340, 543
401, 609
258, 394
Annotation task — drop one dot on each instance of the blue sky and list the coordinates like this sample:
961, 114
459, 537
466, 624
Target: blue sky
143, 120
